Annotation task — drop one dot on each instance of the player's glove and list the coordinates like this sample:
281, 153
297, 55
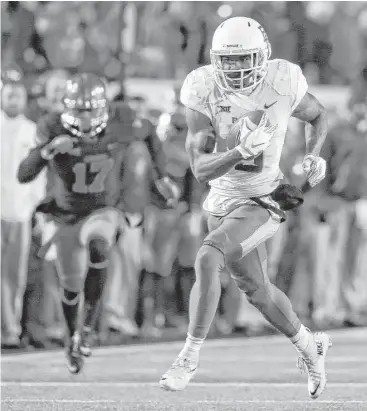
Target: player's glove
254, 141
315, 169
169, 190
59, 145
288, 197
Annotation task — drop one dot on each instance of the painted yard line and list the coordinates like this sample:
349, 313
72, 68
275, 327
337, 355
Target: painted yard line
330, 370
136, 349
102, 353
204, 357
347, 335
59, 358
62, 401
79, 384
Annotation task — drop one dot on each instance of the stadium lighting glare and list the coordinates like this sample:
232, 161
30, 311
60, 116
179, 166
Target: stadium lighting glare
224, 11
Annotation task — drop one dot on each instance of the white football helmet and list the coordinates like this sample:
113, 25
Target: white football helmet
240, 36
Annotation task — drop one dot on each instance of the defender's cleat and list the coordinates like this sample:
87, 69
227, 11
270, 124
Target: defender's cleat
179, 375
74, 357
315, 365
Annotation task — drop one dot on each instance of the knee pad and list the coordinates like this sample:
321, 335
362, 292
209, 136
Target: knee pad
210, 243
99, 252
70, 297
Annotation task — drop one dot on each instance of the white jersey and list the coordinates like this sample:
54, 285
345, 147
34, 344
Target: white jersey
279, 94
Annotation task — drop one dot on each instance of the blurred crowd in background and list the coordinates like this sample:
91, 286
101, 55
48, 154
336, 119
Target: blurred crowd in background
144, 50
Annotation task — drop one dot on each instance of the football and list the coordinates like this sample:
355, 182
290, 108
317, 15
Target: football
248, 122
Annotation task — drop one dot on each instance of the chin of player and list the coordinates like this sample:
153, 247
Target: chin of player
235, 82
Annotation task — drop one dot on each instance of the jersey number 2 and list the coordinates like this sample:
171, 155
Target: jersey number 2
100, 165
252, 166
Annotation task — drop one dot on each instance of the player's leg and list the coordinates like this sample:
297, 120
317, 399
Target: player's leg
203, 305
72, 265
236, 236
250, 274
204, 299
99, 254
99, 233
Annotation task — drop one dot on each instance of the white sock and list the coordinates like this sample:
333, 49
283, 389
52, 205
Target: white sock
192, 347
303, 341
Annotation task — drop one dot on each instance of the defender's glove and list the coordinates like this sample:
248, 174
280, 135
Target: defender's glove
255, 140
60, 145
315, 169
169, 190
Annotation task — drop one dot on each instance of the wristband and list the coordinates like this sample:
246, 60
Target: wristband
45, 154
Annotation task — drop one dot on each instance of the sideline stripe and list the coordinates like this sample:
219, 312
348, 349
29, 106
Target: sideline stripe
225, 402
111, 384
337, 335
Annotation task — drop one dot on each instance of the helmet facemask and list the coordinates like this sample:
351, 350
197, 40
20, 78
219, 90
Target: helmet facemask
239, 80
85, 119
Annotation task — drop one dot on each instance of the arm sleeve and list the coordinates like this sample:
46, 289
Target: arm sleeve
31, 166
299, 85
194, 93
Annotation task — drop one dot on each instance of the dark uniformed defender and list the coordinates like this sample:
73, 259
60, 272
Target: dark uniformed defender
85, 148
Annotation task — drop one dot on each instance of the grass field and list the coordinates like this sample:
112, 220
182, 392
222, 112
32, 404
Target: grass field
235, 374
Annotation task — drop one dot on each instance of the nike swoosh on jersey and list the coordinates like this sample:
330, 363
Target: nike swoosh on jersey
266, 106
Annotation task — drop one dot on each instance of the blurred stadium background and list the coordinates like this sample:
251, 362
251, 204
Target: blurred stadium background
318, 257
144, 50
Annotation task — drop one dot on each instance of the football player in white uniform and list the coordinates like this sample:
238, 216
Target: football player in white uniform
239, 157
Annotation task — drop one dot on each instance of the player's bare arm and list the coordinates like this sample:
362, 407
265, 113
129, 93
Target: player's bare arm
200, 144
312, 111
